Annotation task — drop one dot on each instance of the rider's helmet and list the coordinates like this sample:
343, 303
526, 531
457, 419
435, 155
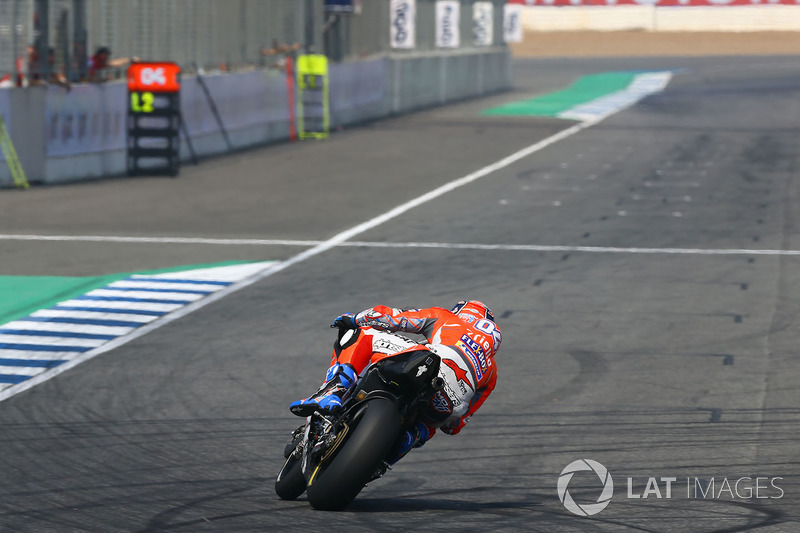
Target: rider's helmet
472, 308
473, 311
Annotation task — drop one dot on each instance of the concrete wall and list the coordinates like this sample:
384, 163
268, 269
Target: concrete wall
653, 18
63, 137
425, 80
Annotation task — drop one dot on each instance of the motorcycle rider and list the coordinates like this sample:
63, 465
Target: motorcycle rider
466, 338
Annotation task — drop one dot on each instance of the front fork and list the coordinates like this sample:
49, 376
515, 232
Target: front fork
317, 438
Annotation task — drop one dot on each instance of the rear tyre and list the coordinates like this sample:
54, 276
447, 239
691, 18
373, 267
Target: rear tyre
290, 482
333, 488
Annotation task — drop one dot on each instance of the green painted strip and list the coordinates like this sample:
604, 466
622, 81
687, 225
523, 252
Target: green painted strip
23, 295
585, 89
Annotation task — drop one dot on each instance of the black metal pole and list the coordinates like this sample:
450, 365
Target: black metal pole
80, 68
15, 36
213, 106
188, 139
42, 31
309, 37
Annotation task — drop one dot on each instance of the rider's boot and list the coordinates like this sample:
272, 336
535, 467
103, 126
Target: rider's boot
415, 437
328, 398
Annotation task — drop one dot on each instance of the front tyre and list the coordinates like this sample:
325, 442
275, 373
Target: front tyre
333, 488
290, 482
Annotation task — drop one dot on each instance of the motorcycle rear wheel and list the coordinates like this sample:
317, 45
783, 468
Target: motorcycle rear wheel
338, 482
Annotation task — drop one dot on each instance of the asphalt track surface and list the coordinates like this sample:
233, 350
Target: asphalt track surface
677, 362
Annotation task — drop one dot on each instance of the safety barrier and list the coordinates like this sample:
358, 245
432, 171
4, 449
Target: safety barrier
67, 136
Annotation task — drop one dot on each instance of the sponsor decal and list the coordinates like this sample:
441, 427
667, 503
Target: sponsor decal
441, 403
469, 319
512, 23
380, 344
482, 22
461, 374
454, 400
448, 14
371, 319
474, 351
482, 360
402, 29
89, 118
470, 343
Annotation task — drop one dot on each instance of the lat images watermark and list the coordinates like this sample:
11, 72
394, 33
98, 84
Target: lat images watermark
587, 509
743, 488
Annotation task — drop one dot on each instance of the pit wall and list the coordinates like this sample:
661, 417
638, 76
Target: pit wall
773, 17
65, 136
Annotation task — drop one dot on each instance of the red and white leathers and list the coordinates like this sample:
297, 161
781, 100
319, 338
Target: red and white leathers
466, 345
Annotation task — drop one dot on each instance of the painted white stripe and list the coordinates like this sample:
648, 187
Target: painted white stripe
22, 370
49, 341
155, 240
466, 246
138, 306
568, 248
144, 319
78, 328
38, 356
270, 269
133, 284
230, 273
641, 86
148, 295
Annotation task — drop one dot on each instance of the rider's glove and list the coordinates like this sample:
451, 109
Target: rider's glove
345, 321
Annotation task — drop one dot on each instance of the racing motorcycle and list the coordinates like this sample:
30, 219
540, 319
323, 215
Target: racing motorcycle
334, 456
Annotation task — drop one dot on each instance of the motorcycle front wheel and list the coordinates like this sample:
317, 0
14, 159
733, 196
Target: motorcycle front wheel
290, 482
339, 480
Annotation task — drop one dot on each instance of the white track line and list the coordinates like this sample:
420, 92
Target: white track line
274, 268
373, 244
566, 248
641, 86
155, 240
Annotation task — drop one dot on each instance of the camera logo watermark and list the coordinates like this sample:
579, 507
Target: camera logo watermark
742, 488
587, 509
